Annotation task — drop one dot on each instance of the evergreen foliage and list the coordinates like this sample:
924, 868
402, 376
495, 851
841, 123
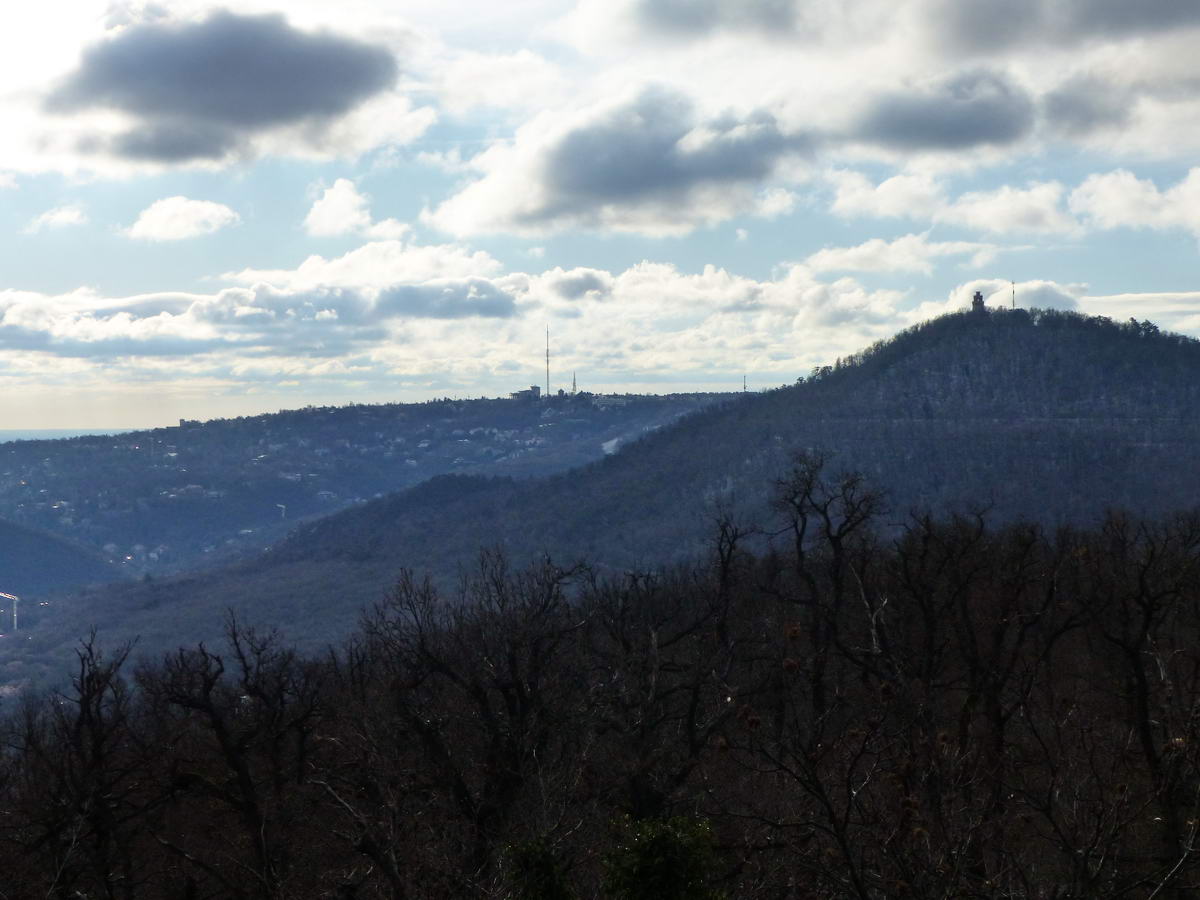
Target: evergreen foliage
670, 859
535, 873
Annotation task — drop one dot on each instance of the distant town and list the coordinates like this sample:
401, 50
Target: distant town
161, 499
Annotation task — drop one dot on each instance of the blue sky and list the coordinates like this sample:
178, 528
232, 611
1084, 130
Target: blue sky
218, 212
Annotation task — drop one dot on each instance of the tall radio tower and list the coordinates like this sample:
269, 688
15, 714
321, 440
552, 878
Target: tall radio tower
547, 360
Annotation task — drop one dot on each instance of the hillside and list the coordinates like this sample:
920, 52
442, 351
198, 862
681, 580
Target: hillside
34, 564
1051, 417
167, 499
1048, 416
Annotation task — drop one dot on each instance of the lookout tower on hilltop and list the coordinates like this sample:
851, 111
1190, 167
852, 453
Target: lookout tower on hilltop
977, 303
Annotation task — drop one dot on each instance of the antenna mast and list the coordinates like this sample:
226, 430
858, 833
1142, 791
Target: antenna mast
15, 600
1014, 300
547, 361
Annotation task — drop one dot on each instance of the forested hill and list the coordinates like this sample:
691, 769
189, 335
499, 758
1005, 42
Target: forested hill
36, 563
167, 499
1049, 416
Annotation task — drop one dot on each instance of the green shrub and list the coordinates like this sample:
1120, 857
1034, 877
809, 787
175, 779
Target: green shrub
534, 872
671, 859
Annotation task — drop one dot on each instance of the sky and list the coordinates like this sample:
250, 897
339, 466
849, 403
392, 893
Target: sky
213, 211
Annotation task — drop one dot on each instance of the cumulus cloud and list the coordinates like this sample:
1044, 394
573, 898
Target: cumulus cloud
696, 17
178, 218
900, 196
342, 210
1047, 295
651, 164
200, 90
1121, 199
655, 145
1085, 104
620, 22
447, 300
910, 253
467, 81
1037, 208
577, 284
246, 321
377, 265
967, 110
992, 26
647, 325
58, 217
650, 323
8, 181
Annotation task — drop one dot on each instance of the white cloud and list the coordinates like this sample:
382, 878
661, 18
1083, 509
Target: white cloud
58, 217
775, 202
342, 210
391, 314
387, 313
901, 196
1121, 199
178, 218
378, 264
57, 42
1037, 208
450, 161
467, 80
910, 253
647, 161
8, 181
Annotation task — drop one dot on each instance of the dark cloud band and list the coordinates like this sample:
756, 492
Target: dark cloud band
655, 149
200, 88
993, 26
699, 17
976, 108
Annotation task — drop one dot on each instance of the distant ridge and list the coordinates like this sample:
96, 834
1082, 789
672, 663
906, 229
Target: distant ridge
1042, 415
203, 493
52, 434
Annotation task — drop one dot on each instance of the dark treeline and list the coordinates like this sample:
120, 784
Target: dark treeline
956, 712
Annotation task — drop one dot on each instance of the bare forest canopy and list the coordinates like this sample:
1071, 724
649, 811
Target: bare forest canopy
952, 710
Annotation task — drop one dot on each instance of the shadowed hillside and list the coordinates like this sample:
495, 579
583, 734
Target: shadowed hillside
170, 499
1047, 416
35, 563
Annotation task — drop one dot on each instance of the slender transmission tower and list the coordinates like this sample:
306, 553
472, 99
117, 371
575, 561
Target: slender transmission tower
15, 600
547, 360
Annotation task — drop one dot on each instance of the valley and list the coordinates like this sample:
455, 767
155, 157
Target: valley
1046, 417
